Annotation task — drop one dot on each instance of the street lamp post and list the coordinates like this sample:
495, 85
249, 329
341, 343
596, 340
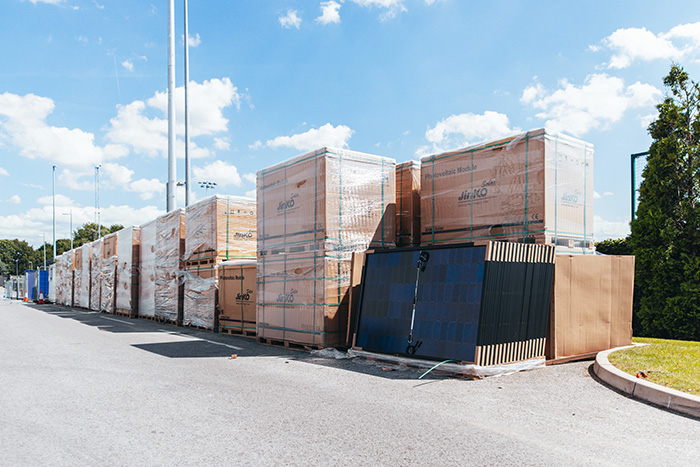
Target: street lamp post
71, 226
207, 185
43, 235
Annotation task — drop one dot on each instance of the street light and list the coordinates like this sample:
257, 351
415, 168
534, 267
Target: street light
207, 185
71, 226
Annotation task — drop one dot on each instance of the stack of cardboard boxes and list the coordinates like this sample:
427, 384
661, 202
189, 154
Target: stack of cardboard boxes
147, 271
218, 229
314, 211
84, 300
408, 204
127, 283
169, 248
96, 274
237, 297
109, 273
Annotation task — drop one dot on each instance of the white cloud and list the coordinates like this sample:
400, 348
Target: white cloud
4, 171
147, 134
596, 195
290, 20
631, 44
128, 64
256, 145
222, 144
250, 177
326, 135
220, 172
391, 7
194, 41
147, 189
601, 101
50, 2
251, 194
605, 229
23, 121
465, 129
15, 199
329, 13
608, 193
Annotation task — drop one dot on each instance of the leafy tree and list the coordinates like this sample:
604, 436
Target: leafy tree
4, 269
665, 235
618, 246
20, 250
88, 233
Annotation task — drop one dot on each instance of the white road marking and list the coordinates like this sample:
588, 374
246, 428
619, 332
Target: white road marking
118, 320
204, 340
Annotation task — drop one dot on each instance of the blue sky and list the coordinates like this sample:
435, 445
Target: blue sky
83, 83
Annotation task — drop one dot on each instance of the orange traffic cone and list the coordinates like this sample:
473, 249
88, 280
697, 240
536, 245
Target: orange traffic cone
26, 296
41, 297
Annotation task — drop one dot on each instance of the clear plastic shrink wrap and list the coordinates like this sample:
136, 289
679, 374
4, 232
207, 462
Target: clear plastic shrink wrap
313, 212
217, 228
147, 270
52, 283
536, 187
60, 280
84, 301
408, 204
128, 241
170, 232
237, 296
78, 276
96, 274
109, 272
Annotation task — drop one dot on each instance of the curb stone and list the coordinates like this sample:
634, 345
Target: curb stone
644, 390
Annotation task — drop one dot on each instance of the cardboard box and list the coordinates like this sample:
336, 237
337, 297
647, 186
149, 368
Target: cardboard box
199, 296
147, 270
303, 298
591, 305
343, 198
109, 273
220, 228
169, 250
237, 295
408, 204
127, 288
536, 187
96, 275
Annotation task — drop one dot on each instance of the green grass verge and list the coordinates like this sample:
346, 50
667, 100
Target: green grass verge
674, 364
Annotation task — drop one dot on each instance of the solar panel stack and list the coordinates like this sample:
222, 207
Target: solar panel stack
78, 281
313, 212
218, 228
408, 204
536, 187
127, 283
237, 297
147, 270
84, 298
169, 248
96, 274
483, 305
109, 273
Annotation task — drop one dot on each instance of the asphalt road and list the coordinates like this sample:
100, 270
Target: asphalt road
80, 388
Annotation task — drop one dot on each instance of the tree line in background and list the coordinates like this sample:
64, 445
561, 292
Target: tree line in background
665, 235
18, 255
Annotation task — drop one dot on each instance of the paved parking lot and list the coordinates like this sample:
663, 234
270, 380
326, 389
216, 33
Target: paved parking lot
80, 388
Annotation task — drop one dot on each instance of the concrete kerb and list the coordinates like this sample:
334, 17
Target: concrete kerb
644, 390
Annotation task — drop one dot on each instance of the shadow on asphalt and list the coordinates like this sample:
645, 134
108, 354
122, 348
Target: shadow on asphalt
205, 344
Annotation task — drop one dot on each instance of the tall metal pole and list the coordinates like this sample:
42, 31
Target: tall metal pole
44, 236
187, 115
53, 187
170, 200
97, 204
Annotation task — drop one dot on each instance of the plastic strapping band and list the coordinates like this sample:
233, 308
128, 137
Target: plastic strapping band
435, 366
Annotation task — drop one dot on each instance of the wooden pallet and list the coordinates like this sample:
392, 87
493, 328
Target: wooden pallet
125, 313
237, 332
289, 345
160, 320
198, 328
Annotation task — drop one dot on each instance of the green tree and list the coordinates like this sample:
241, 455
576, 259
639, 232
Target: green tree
619, 246
20, 250
665, 235
88, 233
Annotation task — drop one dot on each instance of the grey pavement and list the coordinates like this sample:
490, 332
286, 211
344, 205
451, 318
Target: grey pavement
80, 388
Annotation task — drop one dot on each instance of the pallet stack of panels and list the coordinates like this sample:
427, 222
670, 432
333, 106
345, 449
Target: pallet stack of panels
314, 211
64, 286
169, 248
237, 297
95, 274
147, 271
127, 288
78, 276
59, 288
408, 204
109, 273
52, 283
218, 228
85, 257
536, 187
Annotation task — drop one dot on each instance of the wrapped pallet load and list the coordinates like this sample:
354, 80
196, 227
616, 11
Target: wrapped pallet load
237, 297
408, 204
60, 289
109, 273
536, 187
78, 276
218, 228
96, 274
85, 257
147, 271
314, 211
169, 247
127, 288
